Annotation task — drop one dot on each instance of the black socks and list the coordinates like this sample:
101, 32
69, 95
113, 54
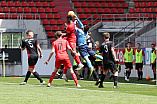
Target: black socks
37, 76
115, 80
154, 76
102, 79
27, 76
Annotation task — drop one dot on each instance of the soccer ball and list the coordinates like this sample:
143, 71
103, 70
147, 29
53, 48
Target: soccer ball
71, 13
148, 78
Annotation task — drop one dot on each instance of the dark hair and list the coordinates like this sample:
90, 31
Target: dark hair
86, 28
69, 17
153, 44
106, 35
28, 31
129, 42
139, 44
59, 34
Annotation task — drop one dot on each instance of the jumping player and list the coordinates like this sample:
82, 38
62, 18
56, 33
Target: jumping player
31, 45
153, 59
109, 60
60, 47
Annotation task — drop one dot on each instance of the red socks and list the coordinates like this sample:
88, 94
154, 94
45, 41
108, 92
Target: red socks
77, 59
52, 77
75, 78
65, 71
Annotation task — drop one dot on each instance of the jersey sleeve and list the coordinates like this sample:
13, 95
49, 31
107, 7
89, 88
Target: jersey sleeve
123, 51
36, 42
69, 29
143, 53
23, 44
100, 50
53, 45
112, 46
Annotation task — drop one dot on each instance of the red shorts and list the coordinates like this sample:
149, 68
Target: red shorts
72, 44
65, 62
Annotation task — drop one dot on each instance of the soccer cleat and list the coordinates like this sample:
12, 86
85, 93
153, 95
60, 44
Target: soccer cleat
42, 83
91, 72
80, 66
78, 86
64, 77
101, 86
97, 82
81, 78
48, 85
115, 87
126, 78
23, 83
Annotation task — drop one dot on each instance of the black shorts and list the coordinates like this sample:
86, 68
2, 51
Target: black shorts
139, 66
153, 66
92, 59
128, 65
111, 66
74, 67
32, 61
85, 65
98, 64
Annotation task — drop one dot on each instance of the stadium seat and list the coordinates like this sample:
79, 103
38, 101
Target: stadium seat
35, 16
106, 10
121, 0
93, 10
7, 15
45, 21
94, 0
83, 4
38, 4
124, 5
17, 3
85, 22
132, 10
97, 4
100, 10
10, 3
139, 15
76, 4
40, 10
80, 0
61, 28
149, 4
48, 27
92, 22
96, 16
54, 27
117, 5
126, 16
31, 4
3, 3
120, 10
24, 4
138, 10
74, 0
108, 0
33, 10
14, 16
104, 5
132, 16
22, 15
12, 10
150, 10
51, 4
143, 4
113, 10
82, 16
109, 16
59, 22
54, 10
151, 16
111, 5
97, 21
26, 10
146, 15
87, 0
42, 15
57, 16
137, 4
103, 16
28, 16
50, 16
47, 10
144, 10
79, 10
88, 15
52, 22
90, 5
1, 16
44, 4
86, 10
117, 16
5, 10
114, 0
155, 4
19, 9
155, 10
50, 34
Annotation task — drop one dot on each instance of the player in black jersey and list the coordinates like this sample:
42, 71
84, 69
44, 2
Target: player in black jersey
31, 45
109, 60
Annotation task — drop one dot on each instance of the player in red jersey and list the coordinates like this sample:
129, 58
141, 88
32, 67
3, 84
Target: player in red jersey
60, 47
71, 38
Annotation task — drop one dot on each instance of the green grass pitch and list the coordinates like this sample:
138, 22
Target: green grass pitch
62, 92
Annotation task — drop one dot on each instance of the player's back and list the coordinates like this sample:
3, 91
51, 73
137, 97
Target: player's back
71, 30
60, 46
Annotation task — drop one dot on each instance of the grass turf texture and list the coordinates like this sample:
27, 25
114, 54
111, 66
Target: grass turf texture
62, 92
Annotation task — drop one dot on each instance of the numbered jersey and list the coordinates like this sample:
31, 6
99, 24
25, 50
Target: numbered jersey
31, 45
60, 46
105, 49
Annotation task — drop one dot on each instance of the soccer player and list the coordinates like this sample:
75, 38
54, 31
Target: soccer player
109, 60
138, 59
118, 68
31, 45
60, 47
128, 54
71, 38
153, 59
84, 50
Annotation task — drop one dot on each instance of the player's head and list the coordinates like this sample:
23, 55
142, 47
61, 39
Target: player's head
97, 43
58, 34
69, 18
89, 33
30, 33
129, 44
86, 28
106, 35
138, 45
117, 62
153, 46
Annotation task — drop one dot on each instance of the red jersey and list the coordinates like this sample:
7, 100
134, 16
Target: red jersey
60, 46
71, 30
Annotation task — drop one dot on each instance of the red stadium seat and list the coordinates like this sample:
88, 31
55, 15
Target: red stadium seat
101, 0
150, 10
82, 16
51, 4
110, 16
97, 4
50, 16
47, 10
94, 0
52, 22
40, 10
87, 0
76, 4
19, 9
155, 10
14, 16
57, 16
44, 4
85, 22
124, 5
121, 1
10, 3
146, 15
93, 10
117, 16
88, 15
22, 15
86, 10
61, 27
45, 21
38, 4
54, 10
126, 16
1, 16
114, 0
117, 5
90, 5
50, 34
17, 3
100, 10
132, 16
120, 10
42, 15
137, 4
144, 10
48, 27
111, 5
59, 22
35, 16
104, 5
151, 16
108, 0
74, 0
5, 9
80, 0
33, 10
7, 16
113, 10
12, 10
132, 10
149, 4
97, 21
24, 4
28, 16
139, 15
155, 4
3, 3
26, 9
106, 10
92, 22
103, 16
143, 4
79, 10
138, 10
83, 4
31, 4
55, 27
96, 16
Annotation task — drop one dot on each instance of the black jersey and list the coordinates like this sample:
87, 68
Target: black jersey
90, 40
105, 49
31, 45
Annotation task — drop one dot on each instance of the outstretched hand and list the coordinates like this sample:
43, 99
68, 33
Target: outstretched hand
46, 62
